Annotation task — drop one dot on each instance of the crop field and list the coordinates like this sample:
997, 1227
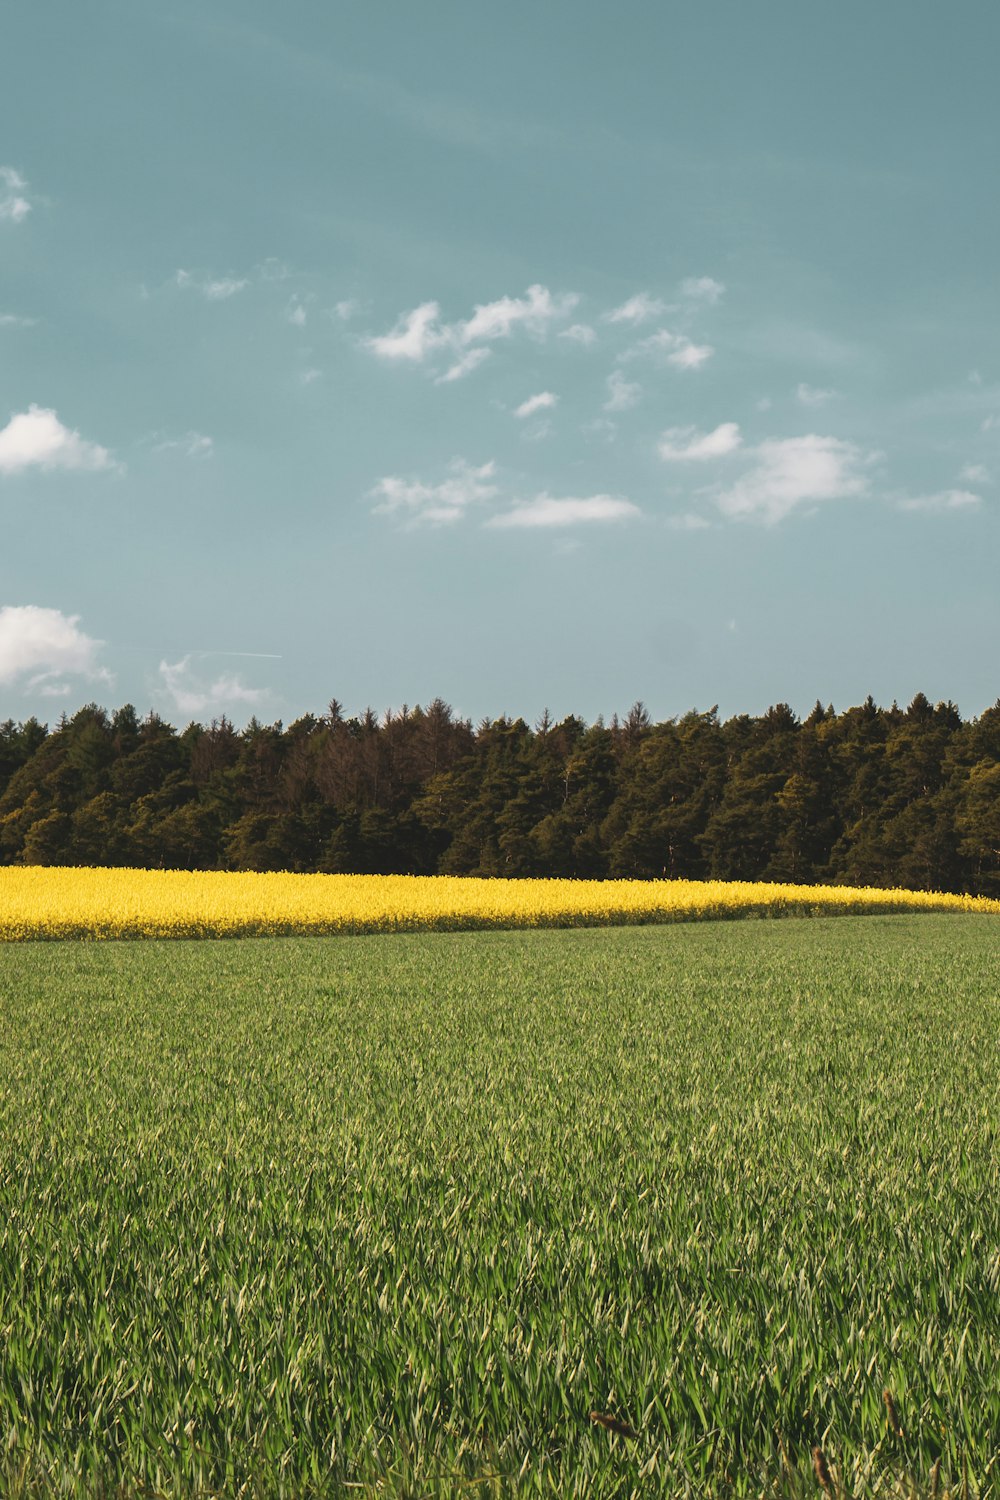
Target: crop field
39, 902
396, 1214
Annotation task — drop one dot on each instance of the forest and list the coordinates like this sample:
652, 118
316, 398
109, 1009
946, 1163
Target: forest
866, 796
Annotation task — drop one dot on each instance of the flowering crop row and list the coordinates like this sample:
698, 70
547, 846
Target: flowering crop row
37, 902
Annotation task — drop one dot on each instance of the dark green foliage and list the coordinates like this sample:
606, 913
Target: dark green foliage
291, 1216
870, 796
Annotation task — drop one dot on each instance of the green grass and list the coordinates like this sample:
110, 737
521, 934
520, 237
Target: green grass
284, 1217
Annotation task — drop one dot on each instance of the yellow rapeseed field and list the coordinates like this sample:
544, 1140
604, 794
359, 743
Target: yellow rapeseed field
37, 902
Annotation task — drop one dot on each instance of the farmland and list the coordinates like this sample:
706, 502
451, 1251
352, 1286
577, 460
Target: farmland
399, 1212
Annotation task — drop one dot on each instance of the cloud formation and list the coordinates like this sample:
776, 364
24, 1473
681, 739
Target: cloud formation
213, 290
676, 348
685, 445
464, 366
192, 445
545, 511
702, 289
191, 694
435, 504
37, 439
14, 206
541, 402
638, 309
579, 333
43, 645
810, 395
793, 472
622, 394
420, 334
943, 500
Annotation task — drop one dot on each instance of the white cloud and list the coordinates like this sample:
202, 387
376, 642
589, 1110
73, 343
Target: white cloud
306, 377
688, 521
793, 472
988, 423
601, 428
810, 395
346, 309
764, 404
14, 206
975, 474
214, 290
944, 500
688, 356
541, 402
546, 511
579, 333
676, 348
192, 445
12, 320
414, 336
420, 332
638, 309
191, 694
702, 289
535, 311
683, 444
47, 644
296, 313
622, 393
436, 504
464, 366
37, 439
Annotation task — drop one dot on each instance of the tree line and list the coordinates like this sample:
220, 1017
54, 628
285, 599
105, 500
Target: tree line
870, 795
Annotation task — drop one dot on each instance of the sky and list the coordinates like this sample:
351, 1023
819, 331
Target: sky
524, 356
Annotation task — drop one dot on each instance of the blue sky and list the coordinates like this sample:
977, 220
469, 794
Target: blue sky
528, 356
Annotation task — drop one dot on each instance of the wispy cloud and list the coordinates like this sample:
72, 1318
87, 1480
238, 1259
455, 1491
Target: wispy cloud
794, 472
213, 289
14, 205
975, 474
579, 333
638, 309
541, 402
37, 439
13, 320
943, 500
685, 445
191, 445
420, 334
44, 645
545, 511
675, 348
464, 366
296, 313
435, 504
622, 394
190, 693
702, 289
346, 309
688, 520
810, 395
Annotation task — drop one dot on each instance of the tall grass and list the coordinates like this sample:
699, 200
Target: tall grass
623, 1212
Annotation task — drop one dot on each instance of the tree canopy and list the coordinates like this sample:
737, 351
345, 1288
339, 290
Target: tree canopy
869, 795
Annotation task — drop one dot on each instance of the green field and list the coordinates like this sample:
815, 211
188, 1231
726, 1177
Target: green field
291, 1216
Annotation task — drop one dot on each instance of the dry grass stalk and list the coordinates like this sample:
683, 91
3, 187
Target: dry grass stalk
935, 1478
